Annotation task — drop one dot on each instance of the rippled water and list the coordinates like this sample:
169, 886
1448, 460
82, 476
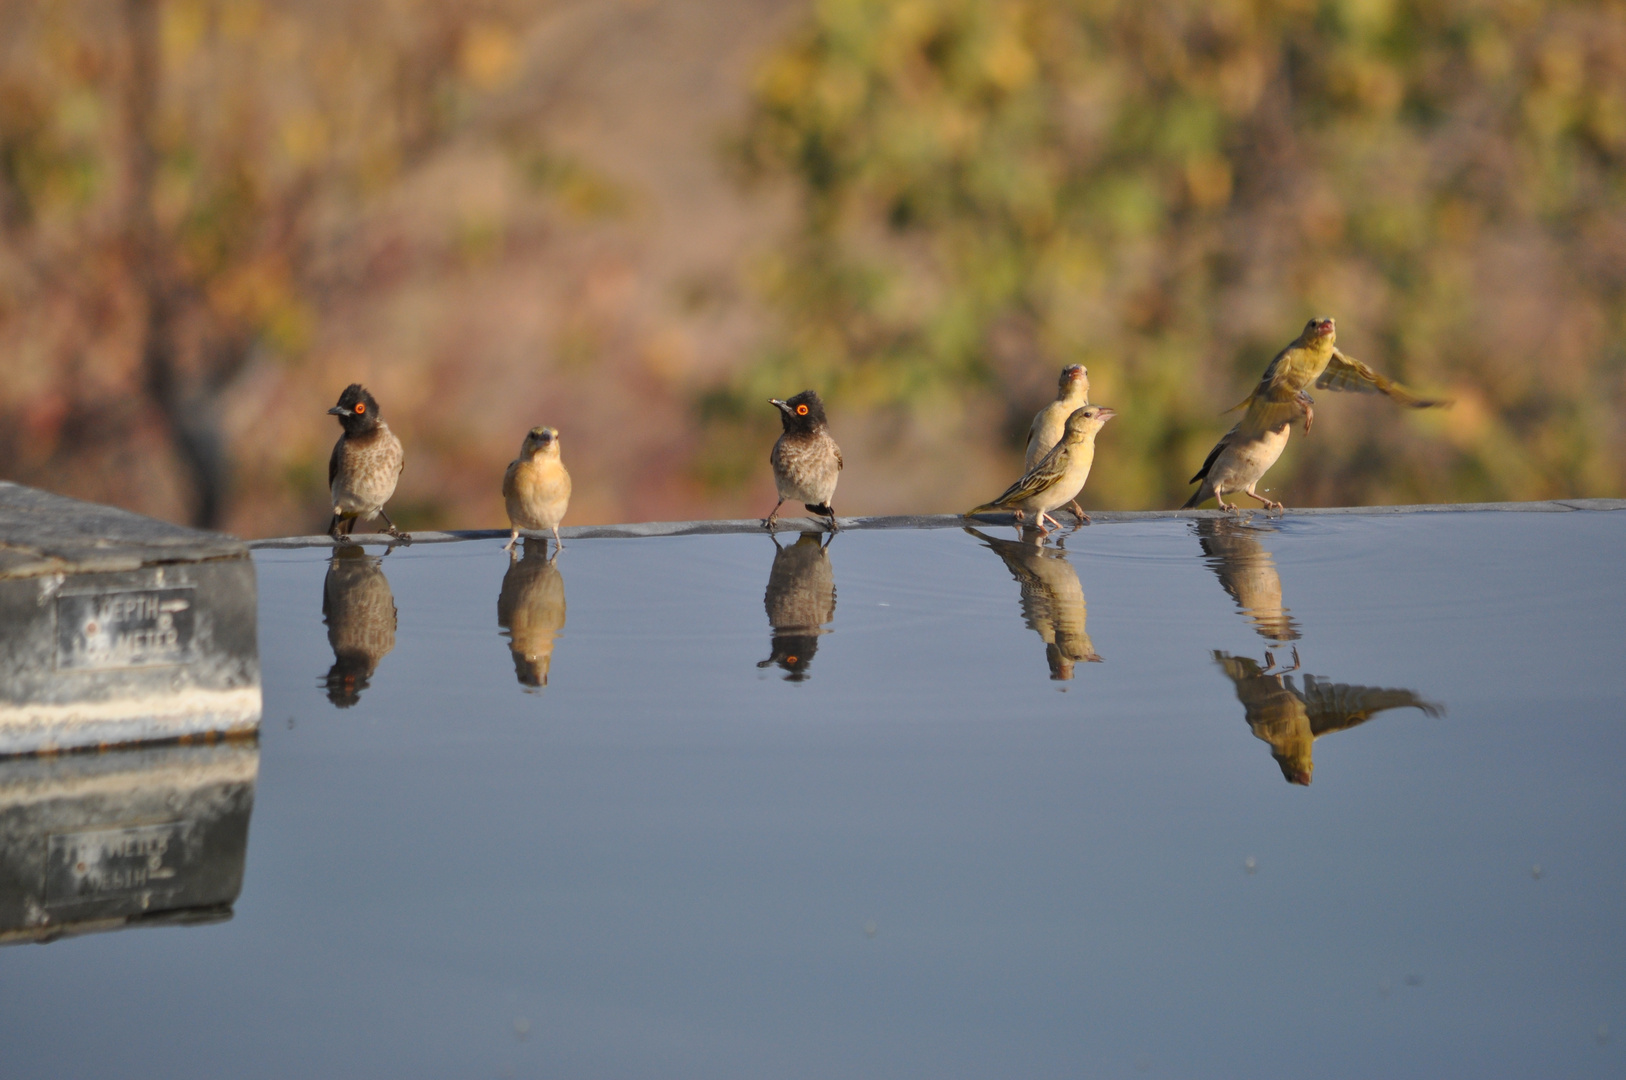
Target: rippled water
1319, 796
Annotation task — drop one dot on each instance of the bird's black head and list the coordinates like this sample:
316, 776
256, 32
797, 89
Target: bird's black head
793, 653
804, 412
348, 677
356, 410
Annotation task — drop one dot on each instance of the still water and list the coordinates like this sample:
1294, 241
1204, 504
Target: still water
1334, 796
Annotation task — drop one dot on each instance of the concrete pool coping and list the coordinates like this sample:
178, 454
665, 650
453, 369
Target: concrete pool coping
638, 530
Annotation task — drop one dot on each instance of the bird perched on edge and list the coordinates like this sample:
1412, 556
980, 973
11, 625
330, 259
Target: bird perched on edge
806, 460
1072, 392
1243, 455
536, 488
1059, 476
365, 465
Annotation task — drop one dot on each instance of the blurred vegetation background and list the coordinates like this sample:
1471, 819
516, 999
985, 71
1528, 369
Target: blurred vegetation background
636, 219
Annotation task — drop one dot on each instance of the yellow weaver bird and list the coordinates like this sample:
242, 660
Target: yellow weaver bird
1059, 476
1243, 455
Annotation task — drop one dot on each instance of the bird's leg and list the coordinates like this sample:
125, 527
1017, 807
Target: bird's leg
1306, 402
834, 528
333, 527
558, 544
1043, 517
773, 515
1270, 504
405, 538
1078, 512
513, 538
1295, 666
1220, 498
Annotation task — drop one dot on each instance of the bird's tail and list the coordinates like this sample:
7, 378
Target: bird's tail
983, 507
1197, 496
1241, 404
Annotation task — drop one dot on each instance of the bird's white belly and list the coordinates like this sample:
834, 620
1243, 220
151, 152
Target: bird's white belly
1241, 465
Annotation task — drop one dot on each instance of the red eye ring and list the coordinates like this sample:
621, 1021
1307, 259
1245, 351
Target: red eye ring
801, 410
790, 659
361, 407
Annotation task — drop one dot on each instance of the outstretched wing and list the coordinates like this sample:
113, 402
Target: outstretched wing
1347, 373
1336, 706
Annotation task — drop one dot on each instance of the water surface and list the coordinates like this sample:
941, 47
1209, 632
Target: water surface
1331, 796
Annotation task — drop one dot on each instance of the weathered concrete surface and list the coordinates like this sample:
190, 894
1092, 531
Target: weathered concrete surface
41, 533
936, 521
139, 837
115, 628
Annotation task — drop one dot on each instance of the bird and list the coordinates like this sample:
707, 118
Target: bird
1239, 461
1242, 456
365, 465
536, 487
531, 611
1052, 599
359, 611
1290, 720
1058, 477
1314, 357
1072, 392
1246, 570
806, 460
800, 601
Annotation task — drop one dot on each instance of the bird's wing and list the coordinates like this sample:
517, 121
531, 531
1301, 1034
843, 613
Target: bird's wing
1208, 462
333, 461
1347, 373
509, 491
1045, 472
1336, 706
1273, 383
839, 463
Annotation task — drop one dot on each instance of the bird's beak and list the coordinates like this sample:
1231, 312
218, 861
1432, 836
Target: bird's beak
337, 411
1107, 413
779, 404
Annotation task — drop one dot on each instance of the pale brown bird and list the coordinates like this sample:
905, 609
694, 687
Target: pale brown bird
1052, 599
536, 487
1059, 476
1238, 462
1072, 393
801, 603
1290, 720
365, 464
1248, 572
1242, 456
359, 610
531, 611
806, 460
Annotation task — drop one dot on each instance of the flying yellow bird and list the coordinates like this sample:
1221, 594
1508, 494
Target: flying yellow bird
1243, 455
1314, 358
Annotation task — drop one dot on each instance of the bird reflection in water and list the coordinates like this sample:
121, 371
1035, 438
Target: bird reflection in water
1291, 719
1248, 572
359, 611
1052, 598
531, 612
801, 602
1280, 713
